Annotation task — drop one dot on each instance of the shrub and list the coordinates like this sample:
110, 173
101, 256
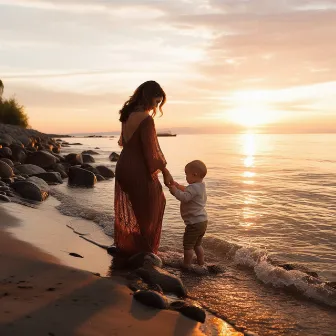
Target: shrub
11, 112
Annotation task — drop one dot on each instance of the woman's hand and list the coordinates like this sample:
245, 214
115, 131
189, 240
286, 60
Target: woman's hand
167, 178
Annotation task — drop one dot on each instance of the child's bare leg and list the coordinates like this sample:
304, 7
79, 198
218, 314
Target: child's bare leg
200, 255
188, 255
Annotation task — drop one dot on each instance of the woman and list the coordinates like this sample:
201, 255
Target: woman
139, 200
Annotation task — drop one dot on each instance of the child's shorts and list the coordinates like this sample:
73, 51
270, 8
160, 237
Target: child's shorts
193, 235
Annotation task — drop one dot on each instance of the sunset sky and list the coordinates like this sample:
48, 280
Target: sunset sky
226, 65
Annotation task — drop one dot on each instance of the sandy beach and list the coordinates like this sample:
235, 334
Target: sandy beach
45, 291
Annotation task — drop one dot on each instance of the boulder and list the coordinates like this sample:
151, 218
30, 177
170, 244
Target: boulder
151, 298
100, 178
74, 159
114, 157
87, 158
90, 168
59, 168
25, 140
81, 178
29, 169
4, 198
168, 282
19, 154
91, 152
41, 158
50, 177
8, 161
5, 170
5, 152
140, 259
105, 172
6, 140
33, 188
190, 310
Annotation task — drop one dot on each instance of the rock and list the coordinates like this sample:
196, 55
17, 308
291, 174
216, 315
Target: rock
140, 259
5, 152
41, 159
25, 140
215, 269
74, 159
81, 177
50, 177
19, 154
75, 144
87, 158
112, 250
59, 157
6, 140
4, 188
59, 168
151, 298
91, 152
29, 169
90, 168
9, 180
105, 172
192, 311
18, 178
4, 198
114, 157
33, 188
168, 282
100, 178
5, 170
8, 161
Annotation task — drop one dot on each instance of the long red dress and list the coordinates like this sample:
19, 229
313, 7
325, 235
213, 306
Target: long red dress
139, 201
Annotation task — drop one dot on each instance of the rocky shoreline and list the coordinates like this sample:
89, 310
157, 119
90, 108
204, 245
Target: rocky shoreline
30, 161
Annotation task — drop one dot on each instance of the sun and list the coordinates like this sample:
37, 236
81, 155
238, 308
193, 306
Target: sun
251, 109
251, 115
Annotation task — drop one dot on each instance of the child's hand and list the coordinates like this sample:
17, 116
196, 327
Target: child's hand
172, 189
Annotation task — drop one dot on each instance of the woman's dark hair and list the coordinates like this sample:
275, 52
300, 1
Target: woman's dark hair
143, 97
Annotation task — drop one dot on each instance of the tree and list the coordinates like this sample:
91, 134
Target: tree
1, 89
11, 112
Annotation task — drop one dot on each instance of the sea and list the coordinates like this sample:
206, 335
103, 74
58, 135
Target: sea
272, 225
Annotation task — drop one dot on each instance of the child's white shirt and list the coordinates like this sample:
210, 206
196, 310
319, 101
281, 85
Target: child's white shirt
193, 200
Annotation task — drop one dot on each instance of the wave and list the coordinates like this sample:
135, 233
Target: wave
69, 207
265, 269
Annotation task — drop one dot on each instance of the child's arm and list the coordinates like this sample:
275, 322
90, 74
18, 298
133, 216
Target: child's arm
179, 186
183, 196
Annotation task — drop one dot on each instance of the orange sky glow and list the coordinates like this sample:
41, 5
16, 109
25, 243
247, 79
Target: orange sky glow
226, 66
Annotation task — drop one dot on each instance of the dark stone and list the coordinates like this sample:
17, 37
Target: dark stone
215, 269
151, 298
9, 180
74, 159
25, 140
33, 188
8, 161
168, 282
6, 140
114, 157
50, 177
29, 169
112, 250
192, 311
19, 154
100, 178
18, 178
138, 260
2, 184
4, 198
105, 172
81, 177
90, 168
87, 158
91, 152
5, 170
59, 168
5, 152
42, 159
4, 188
